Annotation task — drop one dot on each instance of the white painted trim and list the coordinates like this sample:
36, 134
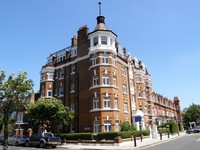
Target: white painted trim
104, 109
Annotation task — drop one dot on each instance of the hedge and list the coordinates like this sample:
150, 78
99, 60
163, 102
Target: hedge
105, 135
146, 132
125, 134
163, 130
138, 133
76, 136
172, 126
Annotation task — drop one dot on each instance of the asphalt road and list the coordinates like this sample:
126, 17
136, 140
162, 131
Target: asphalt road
28, 148
188, 142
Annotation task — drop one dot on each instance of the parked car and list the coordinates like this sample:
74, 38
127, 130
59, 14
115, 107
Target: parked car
197, 129
190, 130
1, 139
17, 140
42, 140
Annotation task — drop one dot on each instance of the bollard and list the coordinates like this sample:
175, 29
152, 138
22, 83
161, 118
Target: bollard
168, 134
135, 143
160, 136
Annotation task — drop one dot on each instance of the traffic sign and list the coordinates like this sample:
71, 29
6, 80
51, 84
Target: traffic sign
137, 118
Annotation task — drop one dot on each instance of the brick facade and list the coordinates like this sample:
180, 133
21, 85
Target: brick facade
103, 85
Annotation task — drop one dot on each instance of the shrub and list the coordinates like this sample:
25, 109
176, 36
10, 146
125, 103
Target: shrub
136, 133
181, 127
163, 130
107, 135
146, 132
125, 134
76, 136
172, 127
125, 126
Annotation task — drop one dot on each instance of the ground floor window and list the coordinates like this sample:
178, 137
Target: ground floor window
107, 126
116, 125
72, 127
96, 126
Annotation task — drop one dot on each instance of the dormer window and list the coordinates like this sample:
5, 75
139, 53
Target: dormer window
49, 62
104, 40
61, 57
95, 41
74, 52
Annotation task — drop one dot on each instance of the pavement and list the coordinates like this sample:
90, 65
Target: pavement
125, 145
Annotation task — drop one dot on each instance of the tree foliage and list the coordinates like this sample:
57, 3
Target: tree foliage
125, 126
46, 113
14, 91
191, 114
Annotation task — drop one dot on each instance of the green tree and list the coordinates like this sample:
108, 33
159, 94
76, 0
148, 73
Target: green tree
125, 126
191, 114
46, 113
13, 93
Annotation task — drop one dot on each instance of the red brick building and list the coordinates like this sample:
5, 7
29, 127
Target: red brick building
101, 84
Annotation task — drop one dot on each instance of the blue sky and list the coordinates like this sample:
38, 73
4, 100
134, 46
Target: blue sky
164, 34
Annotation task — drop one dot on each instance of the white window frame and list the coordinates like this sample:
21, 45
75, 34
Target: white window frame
125, 107
49, 92
106, 102
61, 74
95, 41
49, 61
104, 40
72, 88
43, 77
111, 41
96, 103
115, 81
117, 125
20, 117
96, 127
107, 126
116, 104
50, 76
73, 69
123, 71
95, 60
104, 59
124, 89
95, 80
106, 80
74, 52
